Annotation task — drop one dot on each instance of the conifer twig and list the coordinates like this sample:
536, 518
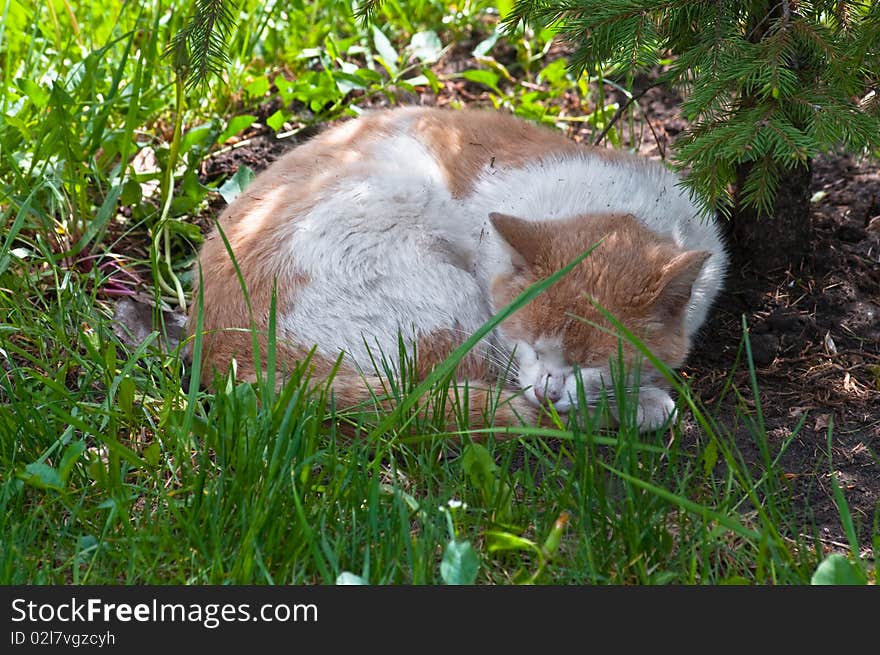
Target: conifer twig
630, 100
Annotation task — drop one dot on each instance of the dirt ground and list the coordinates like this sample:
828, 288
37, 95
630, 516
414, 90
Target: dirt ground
815, 338
814, 332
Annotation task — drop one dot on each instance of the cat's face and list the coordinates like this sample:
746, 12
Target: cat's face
642, 279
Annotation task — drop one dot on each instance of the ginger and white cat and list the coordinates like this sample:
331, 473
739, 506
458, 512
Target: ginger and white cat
424, 223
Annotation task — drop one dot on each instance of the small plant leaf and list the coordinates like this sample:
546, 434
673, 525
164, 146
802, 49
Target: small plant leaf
426, 46
152, 453
37, 94
498, 541
194, 137
480, 76
235, 126
385, 49
41, 476
838, 570
349, 578
484, 46
735, 580
276, 120
125, 396
479, 467
237, 183
70, 457
460, 563
258, 87
85, 546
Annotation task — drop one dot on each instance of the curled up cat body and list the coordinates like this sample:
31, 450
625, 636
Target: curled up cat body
421, 224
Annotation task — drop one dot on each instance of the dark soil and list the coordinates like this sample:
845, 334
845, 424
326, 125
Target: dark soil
814, 332
815, 339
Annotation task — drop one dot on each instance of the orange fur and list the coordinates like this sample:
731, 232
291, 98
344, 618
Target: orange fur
640, 278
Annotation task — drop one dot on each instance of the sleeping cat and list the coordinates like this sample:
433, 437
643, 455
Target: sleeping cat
420, 224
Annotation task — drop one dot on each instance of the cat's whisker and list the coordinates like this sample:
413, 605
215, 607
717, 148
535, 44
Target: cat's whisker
485, 344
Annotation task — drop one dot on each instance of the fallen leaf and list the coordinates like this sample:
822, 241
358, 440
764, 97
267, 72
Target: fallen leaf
830, 347
796, 412
822, 422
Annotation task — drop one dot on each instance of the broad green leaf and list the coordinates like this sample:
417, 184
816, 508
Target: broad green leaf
85, 547
285, 90
497, 66
386, 50
735, 580
125, 396
235, 126
418, 80
426, 46
310, 53
838, 570
554, 73
460, 563
194, 137
131, 194
152, 453
41, 476
38, 95
258, 87
189, 231
487, 78
499, 541
110, 360
70, 457
432, 80
484, 46
237, 183
330, 47
276, 120
349, 78
662, 577
479, 467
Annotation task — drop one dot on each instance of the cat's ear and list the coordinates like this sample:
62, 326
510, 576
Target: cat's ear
519, 234
677, 283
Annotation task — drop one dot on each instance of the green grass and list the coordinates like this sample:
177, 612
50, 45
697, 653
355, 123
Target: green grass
117, 468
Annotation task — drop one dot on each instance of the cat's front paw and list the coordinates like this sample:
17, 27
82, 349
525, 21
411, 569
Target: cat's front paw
654, 409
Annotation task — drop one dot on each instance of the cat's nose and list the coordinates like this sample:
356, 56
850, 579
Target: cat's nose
547, 396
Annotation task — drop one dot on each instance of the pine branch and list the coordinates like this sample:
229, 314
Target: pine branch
198, 50
366, 10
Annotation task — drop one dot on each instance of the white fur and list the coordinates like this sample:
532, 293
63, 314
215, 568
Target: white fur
388, 250
383, 253
543, 370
